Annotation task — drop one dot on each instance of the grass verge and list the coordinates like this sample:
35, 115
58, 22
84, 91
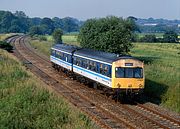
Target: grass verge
4, 36
24, 103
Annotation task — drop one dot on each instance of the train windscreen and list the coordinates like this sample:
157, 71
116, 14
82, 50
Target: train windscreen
122, 72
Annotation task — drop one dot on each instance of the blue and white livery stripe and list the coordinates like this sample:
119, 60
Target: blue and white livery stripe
61, 63
82, 71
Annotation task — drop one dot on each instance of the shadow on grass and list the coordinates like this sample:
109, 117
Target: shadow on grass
153, 92
148, 59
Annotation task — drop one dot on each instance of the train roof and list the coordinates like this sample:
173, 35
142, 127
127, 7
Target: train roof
66, 48
102, 56
93, 54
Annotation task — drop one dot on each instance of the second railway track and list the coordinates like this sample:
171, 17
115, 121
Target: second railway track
103, 111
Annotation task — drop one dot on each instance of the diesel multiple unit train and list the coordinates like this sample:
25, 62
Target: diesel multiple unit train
124, 73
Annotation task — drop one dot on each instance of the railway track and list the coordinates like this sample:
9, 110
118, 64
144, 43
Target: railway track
102, 110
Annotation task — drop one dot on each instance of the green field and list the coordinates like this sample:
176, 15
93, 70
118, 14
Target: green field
70, 39
162, 69
158, 35
25, 103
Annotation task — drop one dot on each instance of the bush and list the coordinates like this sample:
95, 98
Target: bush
170, 37
42, 38
149, 38
57, 35
6, 46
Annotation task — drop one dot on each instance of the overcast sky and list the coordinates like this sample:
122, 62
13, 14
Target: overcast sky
84, 9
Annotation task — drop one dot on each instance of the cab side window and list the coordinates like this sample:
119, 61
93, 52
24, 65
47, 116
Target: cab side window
53, 52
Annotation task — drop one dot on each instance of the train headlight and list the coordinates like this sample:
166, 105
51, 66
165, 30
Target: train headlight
140, 85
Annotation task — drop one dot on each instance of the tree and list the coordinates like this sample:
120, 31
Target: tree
14, 29
109, 34
70, 24
58, 23
35, 30
133, 20
170, 37
6, 19
20, 14
18, 22
48, 24
57, 35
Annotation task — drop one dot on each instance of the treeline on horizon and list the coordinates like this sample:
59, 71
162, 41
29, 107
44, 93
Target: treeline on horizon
19, 22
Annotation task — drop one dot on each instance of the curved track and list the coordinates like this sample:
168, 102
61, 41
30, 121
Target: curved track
101, 109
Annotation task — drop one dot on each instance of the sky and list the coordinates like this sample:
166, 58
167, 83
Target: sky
85, 9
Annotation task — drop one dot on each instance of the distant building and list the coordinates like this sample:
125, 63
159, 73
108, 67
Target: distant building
150, 24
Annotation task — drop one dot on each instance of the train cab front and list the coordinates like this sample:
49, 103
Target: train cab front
128, 76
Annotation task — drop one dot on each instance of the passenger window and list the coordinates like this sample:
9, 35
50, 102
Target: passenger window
64, 56
110, 70
101, 68
90, 65
78, 62
74, 60
83, 63
105, 69
87, 64
60, 55
57, 54
69, 59
94, 66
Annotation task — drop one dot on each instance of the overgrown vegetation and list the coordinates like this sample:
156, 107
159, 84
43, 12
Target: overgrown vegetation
162, 69
24, 103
